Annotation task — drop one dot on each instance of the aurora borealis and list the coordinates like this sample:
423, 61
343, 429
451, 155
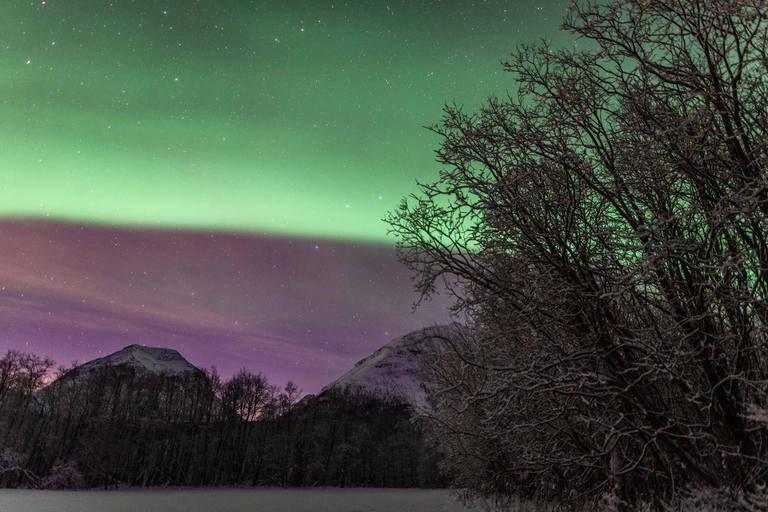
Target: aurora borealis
279, 124
287, 307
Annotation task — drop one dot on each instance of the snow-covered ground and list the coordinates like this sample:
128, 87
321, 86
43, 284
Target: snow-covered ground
230, 500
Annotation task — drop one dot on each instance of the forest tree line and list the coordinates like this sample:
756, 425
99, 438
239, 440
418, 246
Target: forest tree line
115, 426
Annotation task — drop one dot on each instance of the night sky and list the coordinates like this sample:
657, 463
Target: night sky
223, 168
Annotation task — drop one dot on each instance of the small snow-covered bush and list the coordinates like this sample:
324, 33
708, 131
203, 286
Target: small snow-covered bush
64, 475
700, 499
12, 467
721, 500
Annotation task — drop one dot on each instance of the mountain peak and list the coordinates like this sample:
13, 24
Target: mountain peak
142, 359
393, 371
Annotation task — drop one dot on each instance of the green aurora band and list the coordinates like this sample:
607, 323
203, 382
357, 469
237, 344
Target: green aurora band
302, 118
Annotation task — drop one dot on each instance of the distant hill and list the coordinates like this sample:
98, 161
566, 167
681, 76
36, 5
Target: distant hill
138, 383
392, 372
140, 359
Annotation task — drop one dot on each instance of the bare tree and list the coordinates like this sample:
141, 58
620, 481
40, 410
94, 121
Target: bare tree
604, 231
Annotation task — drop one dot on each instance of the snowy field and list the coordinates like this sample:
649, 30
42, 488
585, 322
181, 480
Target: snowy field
230, 500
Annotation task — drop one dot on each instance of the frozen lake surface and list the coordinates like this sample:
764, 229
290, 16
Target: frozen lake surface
230, 500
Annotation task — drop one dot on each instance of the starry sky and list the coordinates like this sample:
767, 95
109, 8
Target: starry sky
212, 175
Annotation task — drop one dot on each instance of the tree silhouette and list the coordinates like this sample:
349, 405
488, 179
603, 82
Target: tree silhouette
604, 232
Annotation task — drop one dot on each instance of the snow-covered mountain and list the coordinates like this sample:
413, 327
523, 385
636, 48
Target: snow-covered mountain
141, 359
393, 370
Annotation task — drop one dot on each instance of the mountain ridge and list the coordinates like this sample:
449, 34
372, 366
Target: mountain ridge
140, 358
393, 371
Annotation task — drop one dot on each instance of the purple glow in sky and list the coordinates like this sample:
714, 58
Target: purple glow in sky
298, 309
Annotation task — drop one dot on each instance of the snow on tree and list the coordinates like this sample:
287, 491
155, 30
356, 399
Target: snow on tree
604, 232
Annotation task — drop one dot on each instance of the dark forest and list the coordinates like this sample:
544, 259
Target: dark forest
116, 427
